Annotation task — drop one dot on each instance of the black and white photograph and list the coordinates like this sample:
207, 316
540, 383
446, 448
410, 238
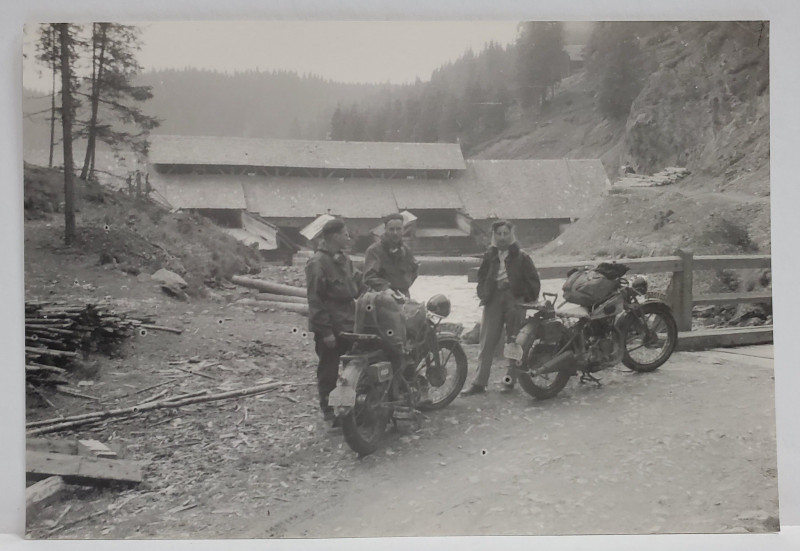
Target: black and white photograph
376, 279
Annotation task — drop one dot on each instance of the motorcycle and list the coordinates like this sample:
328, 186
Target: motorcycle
376, 386
631, 325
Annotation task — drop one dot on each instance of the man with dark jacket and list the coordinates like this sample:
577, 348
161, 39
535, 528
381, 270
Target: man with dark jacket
389, 263
506, 277
332, 288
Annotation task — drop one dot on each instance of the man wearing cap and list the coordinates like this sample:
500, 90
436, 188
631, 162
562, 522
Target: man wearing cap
332, 288
506, 277
389, 263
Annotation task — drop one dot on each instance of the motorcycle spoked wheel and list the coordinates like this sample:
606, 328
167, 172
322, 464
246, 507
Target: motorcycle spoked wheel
454, 365
543, 386
364, 426
648, 347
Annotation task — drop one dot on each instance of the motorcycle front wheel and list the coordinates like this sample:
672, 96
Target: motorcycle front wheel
543, 386
453, 362
650, 339
363, 427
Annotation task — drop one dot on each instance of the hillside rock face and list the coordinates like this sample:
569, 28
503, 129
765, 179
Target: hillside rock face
703, 105
706, 105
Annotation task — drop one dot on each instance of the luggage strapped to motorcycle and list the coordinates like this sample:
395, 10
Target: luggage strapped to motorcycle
372, 309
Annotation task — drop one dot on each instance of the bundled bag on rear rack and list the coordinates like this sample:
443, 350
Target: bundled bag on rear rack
587, 287
379, 313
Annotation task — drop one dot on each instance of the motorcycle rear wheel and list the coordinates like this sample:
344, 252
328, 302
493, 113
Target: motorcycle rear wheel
647, 348
454, 362
363, 427
541, 387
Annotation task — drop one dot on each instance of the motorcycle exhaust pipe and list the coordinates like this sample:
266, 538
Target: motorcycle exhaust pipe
560, 362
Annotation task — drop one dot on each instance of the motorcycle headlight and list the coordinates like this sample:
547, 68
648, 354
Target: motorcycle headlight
639, 284
439, 305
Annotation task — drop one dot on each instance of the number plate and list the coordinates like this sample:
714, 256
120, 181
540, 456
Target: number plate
513, 351
342, 396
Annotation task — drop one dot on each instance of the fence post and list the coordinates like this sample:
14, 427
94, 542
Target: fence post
681, 295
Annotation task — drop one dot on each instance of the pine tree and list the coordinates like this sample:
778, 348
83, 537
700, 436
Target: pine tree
540, 60
122, 123
616, 61
66, 43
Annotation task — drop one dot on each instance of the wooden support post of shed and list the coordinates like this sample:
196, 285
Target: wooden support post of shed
681, 291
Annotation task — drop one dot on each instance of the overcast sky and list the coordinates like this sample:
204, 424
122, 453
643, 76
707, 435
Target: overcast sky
374, 51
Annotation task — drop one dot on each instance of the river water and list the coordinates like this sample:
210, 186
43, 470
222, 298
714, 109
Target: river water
463, 298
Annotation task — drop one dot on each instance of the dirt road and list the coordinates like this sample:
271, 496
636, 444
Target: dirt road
689, 448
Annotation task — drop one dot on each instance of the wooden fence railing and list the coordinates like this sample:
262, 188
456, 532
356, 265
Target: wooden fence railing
682, 266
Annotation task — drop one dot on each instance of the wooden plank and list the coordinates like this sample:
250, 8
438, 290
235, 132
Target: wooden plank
42, 493
650, 265
52, 445
95, 448
732, 261
76, 469
730, 298
725, 337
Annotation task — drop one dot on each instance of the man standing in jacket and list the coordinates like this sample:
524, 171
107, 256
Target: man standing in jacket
390, 264
332, 288
506, 277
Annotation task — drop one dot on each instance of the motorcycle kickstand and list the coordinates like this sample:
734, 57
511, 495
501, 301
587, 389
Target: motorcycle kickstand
589, 377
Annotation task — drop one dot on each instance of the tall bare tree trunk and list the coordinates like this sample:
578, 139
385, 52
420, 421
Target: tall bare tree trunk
53, 100
66, 122
97, 75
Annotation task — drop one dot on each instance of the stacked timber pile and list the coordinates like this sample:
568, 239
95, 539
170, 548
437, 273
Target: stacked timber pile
58, 335
668, 176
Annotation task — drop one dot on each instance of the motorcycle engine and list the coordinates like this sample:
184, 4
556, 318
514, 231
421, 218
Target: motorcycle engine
604, 345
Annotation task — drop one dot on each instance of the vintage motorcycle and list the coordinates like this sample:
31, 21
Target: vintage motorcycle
630, 325
377, 385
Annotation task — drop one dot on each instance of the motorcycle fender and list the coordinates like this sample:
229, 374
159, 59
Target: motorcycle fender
623, 320
343, 397
453, 339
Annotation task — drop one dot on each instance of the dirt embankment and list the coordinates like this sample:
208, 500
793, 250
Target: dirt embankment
211, 458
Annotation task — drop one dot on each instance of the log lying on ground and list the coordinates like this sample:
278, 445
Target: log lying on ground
54, 425
269, 286
282, 298
288, 306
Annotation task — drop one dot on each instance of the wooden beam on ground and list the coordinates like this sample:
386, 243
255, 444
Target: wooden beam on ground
77, 469
730, 298
161, 328
288, 306
282, 298
95, 448
52, 445
725, 337
42, 493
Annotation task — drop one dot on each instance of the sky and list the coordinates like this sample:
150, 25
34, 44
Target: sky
356, 51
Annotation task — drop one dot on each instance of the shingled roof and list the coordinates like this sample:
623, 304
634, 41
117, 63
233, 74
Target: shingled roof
515, 189
310, 197
208, 150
